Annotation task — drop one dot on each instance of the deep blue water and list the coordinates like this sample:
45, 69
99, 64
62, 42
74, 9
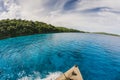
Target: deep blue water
98, 56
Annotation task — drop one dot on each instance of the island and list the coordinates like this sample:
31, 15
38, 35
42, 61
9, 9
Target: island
17, 27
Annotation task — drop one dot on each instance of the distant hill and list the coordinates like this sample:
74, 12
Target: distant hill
104, 33
14, 27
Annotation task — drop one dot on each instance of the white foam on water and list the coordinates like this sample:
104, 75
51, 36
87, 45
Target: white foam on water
51, 76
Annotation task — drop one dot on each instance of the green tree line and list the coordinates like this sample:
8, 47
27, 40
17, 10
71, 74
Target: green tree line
18, 27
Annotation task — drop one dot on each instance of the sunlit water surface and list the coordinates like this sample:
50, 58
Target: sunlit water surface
46, 56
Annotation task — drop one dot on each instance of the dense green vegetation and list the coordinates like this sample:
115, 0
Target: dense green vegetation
13, 28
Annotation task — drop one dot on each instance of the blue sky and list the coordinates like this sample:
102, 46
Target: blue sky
87, 15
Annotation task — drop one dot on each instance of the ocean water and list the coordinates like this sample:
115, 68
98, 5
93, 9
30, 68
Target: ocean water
46, 56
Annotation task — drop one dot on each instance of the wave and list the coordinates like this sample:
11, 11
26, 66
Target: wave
36, 76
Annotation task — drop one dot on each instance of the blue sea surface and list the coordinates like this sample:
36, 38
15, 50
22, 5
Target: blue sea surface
98, 56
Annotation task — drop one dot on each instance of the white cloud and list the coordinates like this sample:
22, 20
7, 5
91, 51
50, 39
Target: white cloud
104, 15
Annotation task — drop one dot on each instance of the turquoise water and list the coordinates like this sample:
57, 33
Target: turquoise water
34, 57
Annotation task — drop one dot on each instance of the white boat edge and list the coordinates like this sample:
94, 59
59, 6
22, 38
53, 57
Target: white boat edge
72, 74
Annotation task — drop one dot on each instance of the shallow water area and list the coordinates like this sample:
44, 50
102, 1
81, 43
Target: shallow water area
46, 56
